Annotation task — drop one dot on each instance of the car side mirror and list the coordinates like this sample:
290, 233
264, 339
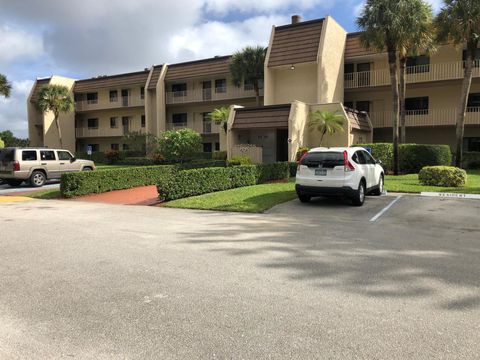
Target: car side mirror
73, 159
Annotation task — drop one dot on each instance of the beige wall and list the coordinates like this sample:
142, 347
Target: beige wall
297, 128
35, 121
290, 85
160, 102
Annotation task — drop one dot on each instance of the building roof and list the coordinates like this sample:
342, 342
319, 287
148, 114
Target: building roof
112, 81
38, 85
157, 69
262, 117
354, 47
358, 119
296, 43
199, 68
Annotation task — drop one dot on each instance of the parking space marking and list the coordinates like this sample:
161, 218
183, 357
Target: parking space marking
385, 209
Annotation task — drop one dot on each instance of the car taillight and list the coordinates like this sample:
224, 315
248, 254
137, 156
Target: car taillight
348, 166
16, 166
300, 161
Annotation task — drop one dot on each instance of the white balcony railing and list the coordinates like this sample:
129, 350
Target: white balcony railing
430, 117
415, 74
123, 101
85, 132
202, 95
199, 126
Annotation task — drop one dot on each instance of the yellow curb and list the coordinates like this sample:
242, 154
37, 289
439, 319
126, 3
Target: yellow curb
8, 199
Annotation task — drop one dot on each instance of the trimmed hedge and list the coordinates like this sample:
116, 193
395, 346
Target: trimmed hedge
95, 182
219, 155
201, 181
413, 157
471, 160
448, 176
140, 161
274, 171
293, 168
200, 164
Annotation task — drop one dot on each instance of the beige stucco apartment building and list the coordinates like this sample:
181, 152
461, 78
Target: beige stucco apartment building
310, 65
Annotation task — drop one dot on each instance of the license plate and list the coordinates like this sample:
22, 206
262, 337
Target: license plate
320, 172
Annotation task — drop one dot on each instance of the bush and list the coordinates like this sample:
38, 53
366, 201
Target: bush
2, 144
94, 182
157, 158
448, 176
136, 161
97, 156
413, 157
200, 164
201, 181
219, 155
471, 160
293, 168
239, 160
302, 150
179, 145
274, 171
112, 156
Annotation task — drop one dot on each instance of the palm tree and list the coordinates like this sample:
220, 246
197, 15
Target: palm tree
383, 24
247, 66
417, 38
326, 122
5, 86
57, 99
220, 116
459, 22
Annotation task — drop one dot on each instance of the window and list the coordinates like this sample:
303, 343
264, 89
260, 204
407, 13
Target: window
363, 106
325, 159
47, 155
179, 119
93, 123
418, 64
417, 106
142, 121
113, 123
221, 86
64, 155
125, 147
179, 89
473, 104
207, 147
217, 146
207, 123
142, 92
92, 98
248, 85
359, 158
95, 147
349, 68
368, 158
29, 155
477, 58
471, 144
113, 95
115, 147
348, 104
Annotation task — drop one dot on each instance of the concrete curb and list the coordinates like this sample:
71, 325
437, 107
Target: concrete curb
451, 195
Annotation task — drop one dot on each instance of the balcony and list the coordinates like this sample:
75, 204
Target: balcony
415, 74
431, 117
206, 95
85, 132
199, 126
121, 102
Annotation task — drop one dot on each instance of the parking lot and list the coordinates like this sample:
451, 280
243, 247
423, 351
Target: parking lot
318, 280
25, 187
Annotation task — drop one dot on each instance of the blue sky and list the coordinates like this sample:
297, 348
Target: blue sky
80, 39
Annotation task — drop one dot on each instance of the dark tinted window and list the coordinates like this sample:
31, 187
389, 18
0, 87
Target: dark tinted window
325, 159
179, 88
418, 105
359, 158
349, 68
368, 158
29, 155
47, 155
115, 146
220, 85
179, 118
113, 95
93, 123
142, 121
6, 155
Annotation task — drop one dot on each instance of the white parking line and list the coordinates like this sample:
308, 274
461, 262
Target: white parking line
385, 209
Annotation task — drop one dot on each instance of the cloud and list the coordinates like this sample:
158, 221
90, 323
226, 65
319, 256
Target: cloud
264, 6
13, 111
16, 43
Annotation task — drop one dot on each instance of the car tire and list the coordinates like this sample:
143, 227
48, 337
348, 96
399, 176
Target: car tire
379, 190
14, 183
359, 197
38, 179
87, 168
304, 198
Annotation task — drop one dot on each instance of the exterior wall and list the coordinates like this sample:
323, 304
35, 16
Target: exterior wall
290, 85
343, 138
103, 142
297, 128
269, 79
35, 121
160, 107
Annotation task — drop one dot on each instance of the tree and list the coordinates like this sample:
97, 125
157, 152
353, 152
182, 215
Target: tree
2, 144
11, 141
57, 99
383, 24
326, 122
247, 66
5, 86
459, 22
179, 145
418, 38
220, 116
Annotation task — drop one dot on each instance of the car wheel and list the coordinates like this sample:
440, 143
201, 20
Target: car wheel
304, 198
359, 197
38, 179
87, 169
379, 190
14, 183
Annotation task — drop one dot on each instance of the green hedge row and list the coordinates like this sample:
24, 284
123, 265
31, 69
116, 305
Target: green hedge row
471, 160
274, 171
413, 157
448, 176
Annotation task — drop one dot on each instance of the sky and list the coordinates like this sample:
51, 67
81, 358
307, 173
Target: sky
81, 39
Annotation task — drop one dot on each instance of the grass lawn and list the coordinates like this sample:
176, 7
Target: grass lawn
410, 184
45, 194
252, 199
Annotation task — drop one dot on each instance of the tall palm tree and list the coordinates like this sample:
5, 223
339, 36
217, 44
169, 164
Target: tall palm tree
57, 99
418, 38
326, 122
459, 22
383, 24
5, 86
220, 116
247, 66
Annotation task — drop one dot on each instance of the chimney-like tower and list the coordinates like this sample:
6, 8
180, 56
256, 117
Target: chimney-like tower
296, 19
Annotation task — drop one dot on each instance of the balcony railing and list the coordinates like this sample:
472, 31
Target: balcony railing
199, 126
215, 94
430, 117
123, 101
415, 74
85, 132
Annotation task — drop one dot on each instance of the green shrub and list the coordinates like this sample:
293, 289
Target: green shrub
302, 150
2, 144
94, 182
201, 181
239, 160
219, 155
274, 171
136, 161
471, 160
112, 156
413, 157
448, 176
97, 156
293, 168
200, 164
179, 145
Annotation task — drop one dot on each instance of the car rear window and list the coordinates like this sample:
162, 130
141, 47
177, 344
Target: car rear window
6, 155
325, 159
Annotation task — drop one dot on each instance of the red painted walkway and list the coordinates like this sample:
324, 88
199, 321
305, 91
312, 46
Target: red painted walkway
145, 195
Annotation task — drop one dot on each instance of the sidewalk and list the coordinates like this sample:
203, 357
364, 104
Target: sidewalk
145, 195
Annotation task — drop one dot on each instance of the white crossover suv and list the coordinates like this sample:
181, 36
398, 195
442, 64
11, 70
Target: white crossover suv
350, 172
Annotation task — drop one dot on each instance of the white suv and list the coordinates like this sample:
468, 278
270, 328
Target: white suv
350, 172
